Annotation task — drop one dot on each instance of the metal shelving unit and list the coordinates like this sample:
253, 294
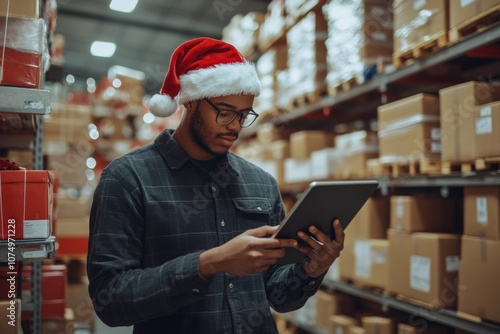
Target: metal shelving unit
30, 105
443, 316
385, 82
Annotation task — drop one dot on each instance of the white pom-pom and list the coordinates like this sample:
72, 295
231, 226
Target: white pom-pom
162, 105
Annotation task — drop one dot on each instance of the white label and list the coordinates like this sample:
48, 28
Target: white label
435, 147
482, 210
452, 263
420, 273
339, 330
34, 229
485, 111
379, 36
436, 133
484, 125
400, 207
465, 3
362, 259
417, 4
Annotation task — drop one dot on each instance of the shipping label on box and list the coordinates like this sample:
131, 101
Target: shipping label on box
482, 212
487, 139
27, 201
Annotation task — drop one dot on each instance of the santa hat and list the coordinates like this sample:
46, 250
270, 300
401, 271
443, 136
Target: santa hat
204, 68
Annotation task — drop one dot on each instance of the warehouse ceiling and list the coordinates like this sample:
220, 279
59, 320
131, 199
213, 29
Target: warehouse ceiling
145, 38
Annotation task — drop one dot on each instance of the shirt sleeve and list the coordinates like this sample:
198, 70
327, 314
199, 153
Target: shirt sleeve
288, 287
122, 291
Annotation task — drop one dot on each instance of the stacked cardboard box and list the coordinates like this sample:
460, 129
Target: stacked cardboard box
268, 67
462, 12
417, 22
273, 26
424, 264
479, 270
306, 70
487, 120
243, 32
359, 36
458, 112
409, 129
365, 259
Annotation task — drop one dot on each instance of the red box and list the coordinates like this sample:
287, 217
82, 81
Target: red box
73, 246
53, 291
26, 204
21, 69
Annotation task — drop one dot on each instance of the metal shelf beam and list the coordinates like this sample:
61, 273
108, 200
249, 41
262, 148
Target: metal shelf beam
445, 317
24, 100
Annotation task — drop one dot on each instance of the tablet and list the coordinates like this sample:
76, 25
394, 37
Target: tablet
319, 205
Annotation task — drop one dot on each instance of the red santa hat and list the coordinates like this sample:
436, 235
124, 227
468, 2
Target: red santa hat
204, 68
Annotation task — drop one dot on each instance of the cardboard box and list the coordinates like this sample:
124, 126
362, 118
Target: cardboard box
424, 214
372, 220
302, 143
78, 299
426, 328
434, 262
482, 212
487, 119
22, 9
27, 200
72, 166
10, 313
371, 266
297, 170
74, 207
341, 323
356, 330
478, 278
59, 326
409, 128
457, 109
399, 260
464, 10
328, 303
21, 69
347, 260
412, 27
376, 325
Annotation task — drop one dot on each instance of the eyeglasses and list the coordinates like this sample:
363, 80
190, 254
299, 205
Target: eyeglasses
225, 116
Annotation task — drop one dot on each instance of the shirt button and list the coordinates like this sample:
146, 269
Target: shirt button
231, 285
195, 290
222, 223
259, 208
213, 189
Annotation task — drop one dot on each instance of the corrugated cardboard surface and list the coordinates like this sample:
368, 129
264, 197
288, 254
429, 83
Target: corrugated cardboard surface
482, 212
457, 108
478, 278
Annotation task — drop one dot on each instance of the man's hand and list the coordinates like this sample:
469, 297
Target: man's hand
322, 250
249, 253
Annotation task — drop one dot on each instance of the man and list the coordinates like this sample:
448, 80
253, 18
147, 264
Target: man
179, 229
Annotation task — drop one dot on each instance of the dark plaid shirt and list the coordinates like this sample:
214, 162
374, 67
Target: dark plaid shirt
154, 212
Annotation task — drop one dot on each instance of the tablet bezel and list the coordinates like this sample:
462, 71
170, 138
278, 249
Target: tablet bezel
358, 192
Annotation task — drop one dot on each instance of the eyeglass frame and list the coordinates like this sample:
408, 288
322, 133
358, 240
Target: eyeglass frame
235, 114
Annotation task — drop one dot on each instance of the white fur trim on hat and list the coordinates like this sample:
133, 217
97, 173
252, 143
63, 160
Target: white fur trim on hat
219, 80
162, 105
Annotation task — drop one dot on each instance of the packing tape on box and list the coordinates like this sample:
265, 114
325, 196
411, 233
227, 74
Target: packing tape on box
400, 127
24, 201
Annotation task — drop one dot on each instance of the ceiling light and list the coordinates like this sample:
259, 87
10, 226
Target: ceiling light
125, 6
103, 49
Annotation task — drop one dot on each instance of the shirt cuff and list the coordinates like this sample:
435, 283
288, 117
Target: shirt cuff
308, 283
187, 275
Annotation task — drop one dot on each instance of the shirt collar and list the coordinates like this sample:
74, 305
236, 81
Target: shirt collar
176, 157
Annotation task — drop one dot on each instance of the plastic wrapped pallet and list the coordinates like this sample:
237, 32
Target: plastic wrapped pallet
307, 55
24, 52
272, 27
243, 32
359, 36
268, 66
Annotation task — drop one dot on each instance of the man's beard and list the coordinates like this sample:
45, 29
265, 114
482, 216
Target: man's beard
199, 134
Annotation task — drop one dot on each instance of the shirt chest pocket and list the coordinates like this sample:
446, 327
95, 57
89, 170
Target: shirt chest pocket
252, 212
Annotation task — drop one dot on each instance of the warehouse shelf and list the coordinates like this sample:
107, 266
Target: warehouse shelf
28, 249
458, 180
24, 100
373, 91
443, 316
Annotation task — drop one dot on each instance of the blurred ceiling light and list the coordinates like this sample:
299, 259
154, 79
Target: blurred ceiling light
103, 49
125, 6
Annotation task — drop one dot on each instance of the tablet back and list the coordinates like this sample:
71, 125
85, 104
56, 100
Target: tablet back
320, 204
